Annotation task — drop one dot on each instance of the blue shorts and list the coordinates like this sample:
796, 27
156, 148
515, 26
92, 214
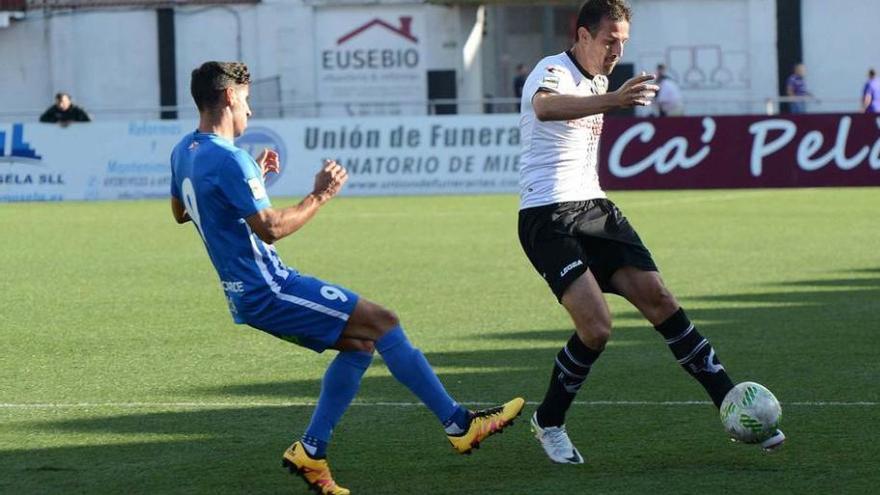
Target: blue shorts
306, 311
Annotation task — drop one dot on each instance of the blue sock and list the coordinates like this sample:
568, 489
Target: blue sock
409, 366
339, 386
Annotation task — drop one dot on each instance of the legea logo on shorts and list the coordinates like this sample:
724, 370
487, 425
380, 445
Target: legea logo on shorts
255, 139
571, 266
13, 147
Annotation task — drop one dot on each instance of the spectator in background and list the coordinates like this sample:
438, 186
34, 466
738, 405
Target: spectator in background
519, 80
871, 93
796, 86
669, 100
64, 112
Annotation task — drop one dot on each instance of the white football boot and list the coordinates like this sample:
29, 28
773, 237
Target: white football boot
771, 444
774, 442
556, 443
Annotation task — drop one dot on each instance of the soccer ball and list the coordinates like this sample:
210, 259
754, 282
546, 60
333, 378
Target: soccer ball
750, 413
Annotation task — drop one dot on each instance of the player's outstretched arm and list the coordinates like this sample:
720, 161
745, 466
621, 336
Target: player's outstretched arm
179, 211
638, 91
271, 225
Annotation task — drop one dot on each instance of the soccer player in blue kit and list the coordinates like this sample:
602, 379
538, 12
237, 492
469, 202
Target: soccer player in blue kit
220, 188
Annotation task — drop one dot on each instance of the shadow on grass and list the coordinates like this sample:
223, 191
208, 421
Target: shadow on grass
802, 337
629, 450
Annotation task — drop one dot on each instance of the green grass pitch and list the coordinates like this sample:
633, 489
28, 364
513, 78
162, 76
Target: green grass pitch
121, 371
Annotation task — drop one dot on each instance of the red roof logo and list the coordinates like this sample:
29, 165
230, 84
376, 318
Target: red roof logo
404, 30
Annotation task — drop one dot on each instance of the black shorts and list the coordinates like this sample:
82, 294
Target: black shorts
562, 240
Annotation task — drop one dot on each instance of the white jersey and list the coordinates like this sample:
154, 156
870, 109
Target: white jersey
559, 159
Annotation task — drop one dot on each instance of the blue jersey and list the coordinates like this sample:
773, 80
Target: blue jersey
221, 185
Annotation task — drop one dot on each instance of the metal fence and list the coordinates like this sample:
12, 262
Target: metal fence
266, 103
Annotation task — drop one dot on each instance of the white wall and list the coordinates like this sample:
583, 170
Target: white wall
214, 33
722, 50
24, 79
516, 38
278, 39
103, 59
108, 58
294, 43
731, 43
445, 36
840, 44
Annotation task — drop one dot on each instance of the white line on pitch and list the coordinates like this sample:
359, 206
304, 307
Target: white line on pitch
209, 405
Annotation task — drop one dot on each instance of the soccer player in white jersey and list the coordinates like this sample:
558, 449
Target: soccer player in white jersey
577, 239
220, 188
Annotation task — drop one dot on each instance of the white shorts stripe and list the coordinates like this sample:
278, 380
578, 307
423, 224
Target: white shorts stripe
312, 305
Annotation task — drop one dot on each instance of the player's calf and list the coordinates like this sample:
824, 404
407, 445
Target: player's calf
696, 355
570, 370
647, 292
660, 304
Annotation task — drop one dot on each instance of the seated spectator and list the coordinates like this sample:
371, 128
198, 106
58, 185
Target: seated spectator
64, 112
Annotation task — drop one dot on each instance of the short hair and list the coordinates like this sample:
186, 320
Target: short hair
212, 78
661, 66
872, 73
61, 94
592, 12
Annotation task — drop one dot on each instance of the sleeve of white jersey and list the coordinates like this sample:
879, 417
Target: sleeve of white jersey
552, 78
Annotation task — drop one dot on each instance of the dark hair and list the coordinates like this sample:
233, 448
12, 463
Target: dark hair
592, 12
871, 73
61, 94
212, 78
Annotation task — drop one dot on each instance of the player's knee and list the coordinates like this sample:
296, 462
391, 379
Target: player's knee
595, 331
385, 319
367, 346
597, 338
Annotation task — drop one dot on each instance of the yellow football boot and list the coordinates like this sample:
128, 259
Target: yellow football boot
485, 423
315, 472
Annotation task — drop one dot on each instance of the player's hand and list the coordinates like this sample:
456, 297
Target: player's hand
638, 91
268, 162
329, 180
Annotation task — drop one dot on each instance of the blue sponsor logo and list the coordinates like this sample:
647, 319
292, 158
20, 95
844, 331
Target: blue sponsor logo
21, 156
255, 139
13, 147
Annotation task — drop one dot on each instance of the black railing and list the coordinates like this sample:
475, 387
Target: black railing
97, 4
